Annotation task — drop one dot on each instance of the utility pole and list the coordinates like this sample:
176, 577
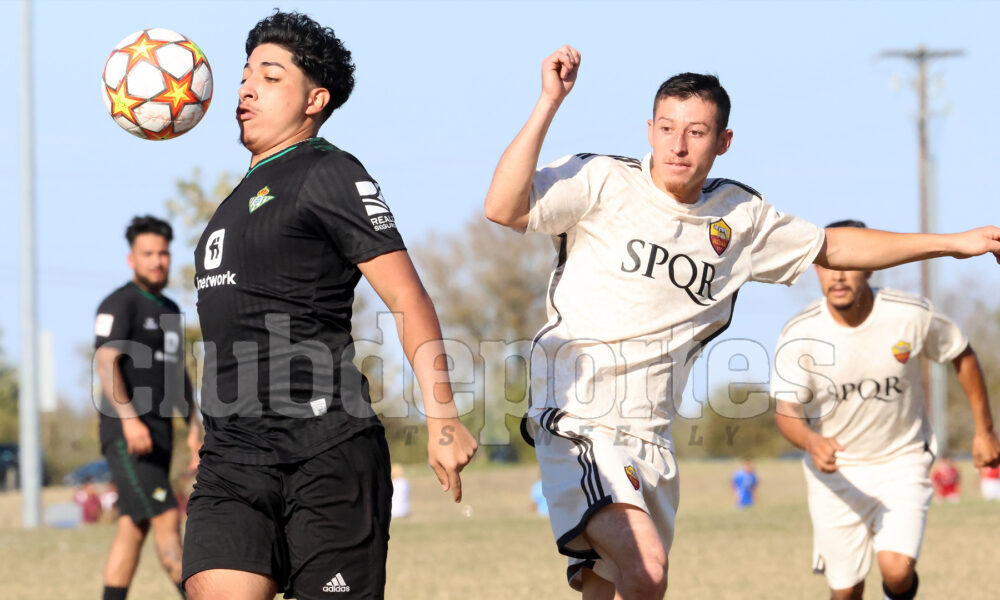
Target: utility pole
29, 468
935, 382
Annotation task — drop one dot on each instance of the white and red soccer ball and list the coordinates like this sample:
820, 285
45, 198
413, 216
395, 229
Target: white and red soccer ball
157, 84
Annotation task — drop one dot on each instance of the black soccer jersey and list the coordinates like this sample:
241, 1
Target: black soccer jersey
147, 330
275, 273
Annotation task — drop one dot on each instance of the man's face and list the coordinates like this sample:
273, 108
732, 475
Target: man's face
276, 100
843, 289
150, 259
685, 140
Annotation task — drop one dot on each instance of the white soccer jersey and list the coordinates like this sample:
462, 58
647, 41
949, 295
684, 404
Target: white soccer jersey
642, 283
862, 385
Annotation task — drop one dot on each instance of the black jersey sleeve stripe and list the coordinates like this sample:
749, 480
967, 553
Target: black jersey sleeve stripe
717, 183
635, 163
701, 345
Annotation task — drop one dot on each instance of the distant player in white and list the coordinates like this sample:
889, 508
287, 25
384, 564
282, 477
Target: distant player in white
848, 387
651, 255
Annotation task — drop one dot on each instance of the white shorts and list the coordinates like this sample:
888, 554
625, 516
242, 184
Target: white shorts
990, 489
587, 466
860, 509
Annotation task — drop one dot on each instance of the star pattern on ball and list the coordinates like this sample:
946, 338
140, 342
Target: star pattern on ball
178, 93
123, 104
199, 56
164, 134
142, 49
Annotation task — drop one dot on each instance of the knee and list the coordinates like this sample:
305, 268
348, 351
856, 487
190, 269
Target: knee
897, 571
647, 579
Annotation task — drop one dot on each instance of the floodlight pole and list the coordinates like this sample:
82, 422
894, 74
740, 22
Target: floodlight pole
935, 387
29, 451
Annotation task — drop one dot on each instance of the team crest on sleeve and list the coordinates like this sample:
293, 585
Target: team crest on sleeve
719, 232
375, 206
633, 478
103, 325
901, 351
261, 198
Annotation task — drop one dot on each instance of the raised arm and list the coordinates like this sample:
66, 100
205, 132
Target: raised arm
507, 198
985, 446
856, 249
450, 446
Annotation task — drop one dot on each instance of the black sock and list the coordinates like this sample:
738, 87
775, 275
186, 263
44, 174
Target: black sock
909, 594
180, 588
115, 593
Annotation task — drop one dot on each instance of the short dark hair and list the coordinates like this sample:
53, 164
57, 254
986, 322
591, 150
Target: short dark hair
847, 223
148, 224
315, 49
707, 87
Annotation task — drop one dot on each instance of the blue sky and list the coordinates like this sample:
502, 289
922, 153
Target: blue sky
442, 88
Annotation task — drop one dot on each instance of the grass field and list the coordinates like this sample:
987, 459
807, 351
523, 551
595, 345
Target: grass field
493, 547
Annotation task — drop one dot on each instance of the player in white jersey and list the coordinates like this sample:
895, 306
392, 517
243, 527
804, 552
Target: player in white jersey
847, 380
651, 255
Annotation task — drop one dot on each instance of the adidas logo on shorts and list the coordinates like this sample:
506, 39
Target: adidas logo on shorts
337, 584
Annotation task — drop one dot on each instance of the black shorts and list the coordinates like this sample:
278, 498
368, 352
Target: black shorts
143, 481
319, 528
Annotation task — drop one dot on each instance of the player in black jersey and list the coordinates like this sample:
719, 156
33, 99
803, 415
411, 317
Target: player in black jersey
140, 361
294, 490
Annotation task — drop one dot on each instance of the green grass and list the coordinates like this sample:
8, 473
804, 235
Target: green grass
493, 547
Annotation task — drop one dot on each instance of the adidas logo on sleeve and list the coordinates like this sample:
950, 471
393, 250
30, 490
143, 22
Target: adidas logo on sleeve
337, 584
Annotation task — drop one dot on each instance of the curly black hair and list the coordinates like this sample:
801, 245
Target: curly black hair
148, 224
315, 49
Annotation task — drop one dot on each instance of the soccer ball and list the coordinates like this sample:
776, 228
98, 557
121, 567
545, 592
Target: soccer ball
157, 84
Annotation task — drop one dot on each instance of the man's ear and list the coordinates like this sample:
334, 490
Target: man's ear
317, 100
725, 139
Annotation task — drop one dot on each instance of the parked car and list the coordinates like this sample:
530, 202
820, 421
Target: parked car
96, 471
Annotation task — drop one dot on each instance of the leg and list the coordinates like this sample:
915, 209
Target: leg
626, 537
596, 587
123, 557
167, 535
898, 573
338, 534
852, 593
227, 584
232, 543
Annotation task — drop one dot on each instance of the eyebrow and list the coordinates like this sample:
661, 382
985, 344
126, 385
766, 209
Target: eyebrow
267, 64
662, 118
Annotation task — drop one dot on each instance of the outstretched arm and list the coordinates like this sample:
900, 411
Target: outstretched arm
450, 446
856, 249
507, 198
985, 446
